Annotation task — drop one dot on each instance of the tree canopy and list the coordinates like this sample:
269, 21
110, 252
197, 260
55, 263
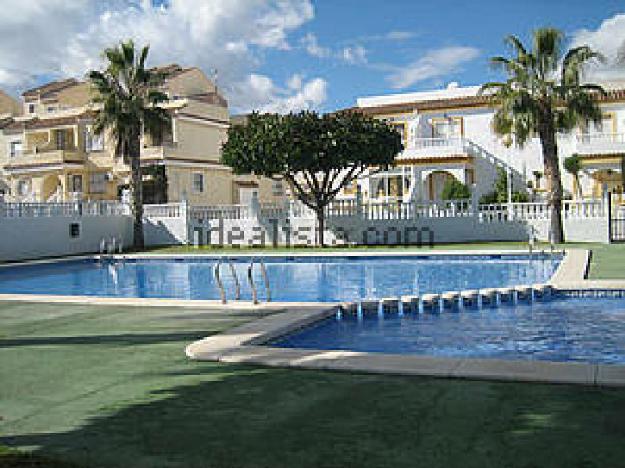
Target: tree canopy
317, 155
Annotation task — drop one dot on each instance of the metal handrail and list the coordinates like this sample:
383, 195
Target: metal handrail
263, 271
220, 284
250, 278
237, 285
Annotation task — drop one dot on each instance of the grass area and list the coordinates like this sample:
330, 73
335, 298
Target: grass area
608, 261
109, 386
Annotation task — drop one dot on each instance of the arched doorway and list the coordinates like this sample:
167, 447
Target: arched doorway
435, 183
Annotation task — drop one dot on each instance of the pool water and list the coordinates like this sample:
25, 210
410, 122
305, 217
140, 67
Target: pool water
573, 329
291, 278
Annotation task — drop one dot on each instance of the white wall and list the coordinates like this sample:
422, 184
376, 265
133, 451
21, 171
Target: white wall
37, 237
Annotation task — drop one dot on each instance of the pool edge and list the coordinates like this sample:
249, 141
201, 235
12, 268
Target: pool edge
243, 344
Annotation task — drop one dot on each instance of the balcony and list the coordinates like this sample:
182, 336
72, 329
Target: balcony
152, 152
43, 157
600, 143
430, 148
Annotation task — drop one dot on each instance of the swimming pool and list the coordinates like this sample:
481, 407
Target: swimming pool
562, 329
303, 278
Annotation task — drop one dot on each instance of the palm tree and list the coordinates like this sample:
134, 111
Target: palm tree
127, 96
573, 165
544, 95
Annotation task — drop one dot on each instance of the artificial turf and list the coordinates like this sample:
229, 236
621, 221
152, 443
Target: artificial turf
110, 386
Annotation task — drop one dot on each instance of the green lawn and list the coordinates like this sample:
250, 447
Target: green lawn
110, 386
608, 261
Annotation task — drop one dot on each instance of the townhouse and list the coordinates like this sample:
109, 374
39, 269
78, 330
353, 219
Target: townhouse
49, 151
447, 133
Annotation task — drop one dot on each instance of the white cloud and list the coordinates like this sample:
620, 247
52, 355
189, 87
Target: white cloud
609, 39
399, 35
262, 94
311, 45
352, 55
57, 38
435, 63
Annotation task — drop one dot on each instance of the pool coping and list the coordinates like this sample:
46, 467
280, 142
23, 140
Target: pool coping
244, 345
236, 304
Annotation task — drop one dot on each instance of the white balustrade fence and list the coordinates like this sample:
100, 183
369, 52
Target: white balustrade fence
69, 209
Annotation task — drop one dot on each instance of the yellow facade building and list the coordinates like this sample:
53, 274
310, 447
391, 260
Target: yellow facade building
50, 152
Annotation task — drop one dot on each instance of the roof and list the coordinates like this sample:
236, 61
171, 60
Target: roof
50, 88
435, 100
37, 123
451, 92
210, 98
170, 71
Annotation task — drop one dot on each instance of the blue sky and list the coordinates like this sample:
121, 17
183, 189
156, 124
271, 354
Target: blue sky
282, 55
435, 24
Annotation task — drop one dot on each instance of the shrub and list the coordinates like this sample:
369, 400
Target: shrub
455, 190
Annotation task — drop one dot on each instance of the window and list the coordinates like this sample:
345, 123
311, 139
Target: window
450, 127
97, 182
15, 148
604, 126
22, 188
74, 230
277, 188
198, 182
60, 139
94, 141
31, 108
76, 183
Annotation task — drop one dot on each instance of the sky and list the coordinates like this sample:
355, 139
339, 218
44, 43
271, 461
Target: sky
284, 55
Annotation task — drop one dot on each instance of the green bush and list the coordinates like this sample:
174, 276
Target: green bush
500, 192
455, 190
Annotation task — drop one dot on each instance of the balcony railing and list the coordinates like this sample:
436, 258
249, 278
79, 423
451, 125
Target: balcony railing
37, 157
600, 143
433, 147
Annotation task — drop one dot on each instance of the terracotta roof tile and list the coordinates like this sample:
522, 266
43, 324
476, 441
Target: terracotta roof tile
49, 88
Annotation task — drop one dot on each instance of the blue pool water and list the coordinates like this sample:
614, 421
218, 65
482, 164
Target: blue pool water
291, 278
591, 330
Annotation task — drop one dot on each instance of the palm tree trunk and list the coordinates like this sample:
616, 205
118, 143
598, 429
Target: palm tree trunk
321, 225
553, 178
136, 188
623, 174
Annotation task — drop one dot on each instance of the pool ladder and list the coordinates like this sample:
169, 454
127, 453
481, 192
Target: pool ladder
237, 284
250, 278
220, 284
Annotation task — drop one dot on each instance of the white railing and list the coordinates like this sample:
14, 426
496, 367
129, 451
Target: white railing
583, 208
589, 143
70, 209
392, 210
433, 147
209, 212
451, 142
166, 210
412, 210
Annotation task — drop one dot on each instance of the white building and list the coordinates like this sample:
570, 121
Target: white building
448, 133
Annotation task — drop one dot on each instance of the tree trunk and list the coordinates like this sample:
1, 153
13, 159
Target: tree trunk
623, 174
552, 176
321, 225
136, 188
